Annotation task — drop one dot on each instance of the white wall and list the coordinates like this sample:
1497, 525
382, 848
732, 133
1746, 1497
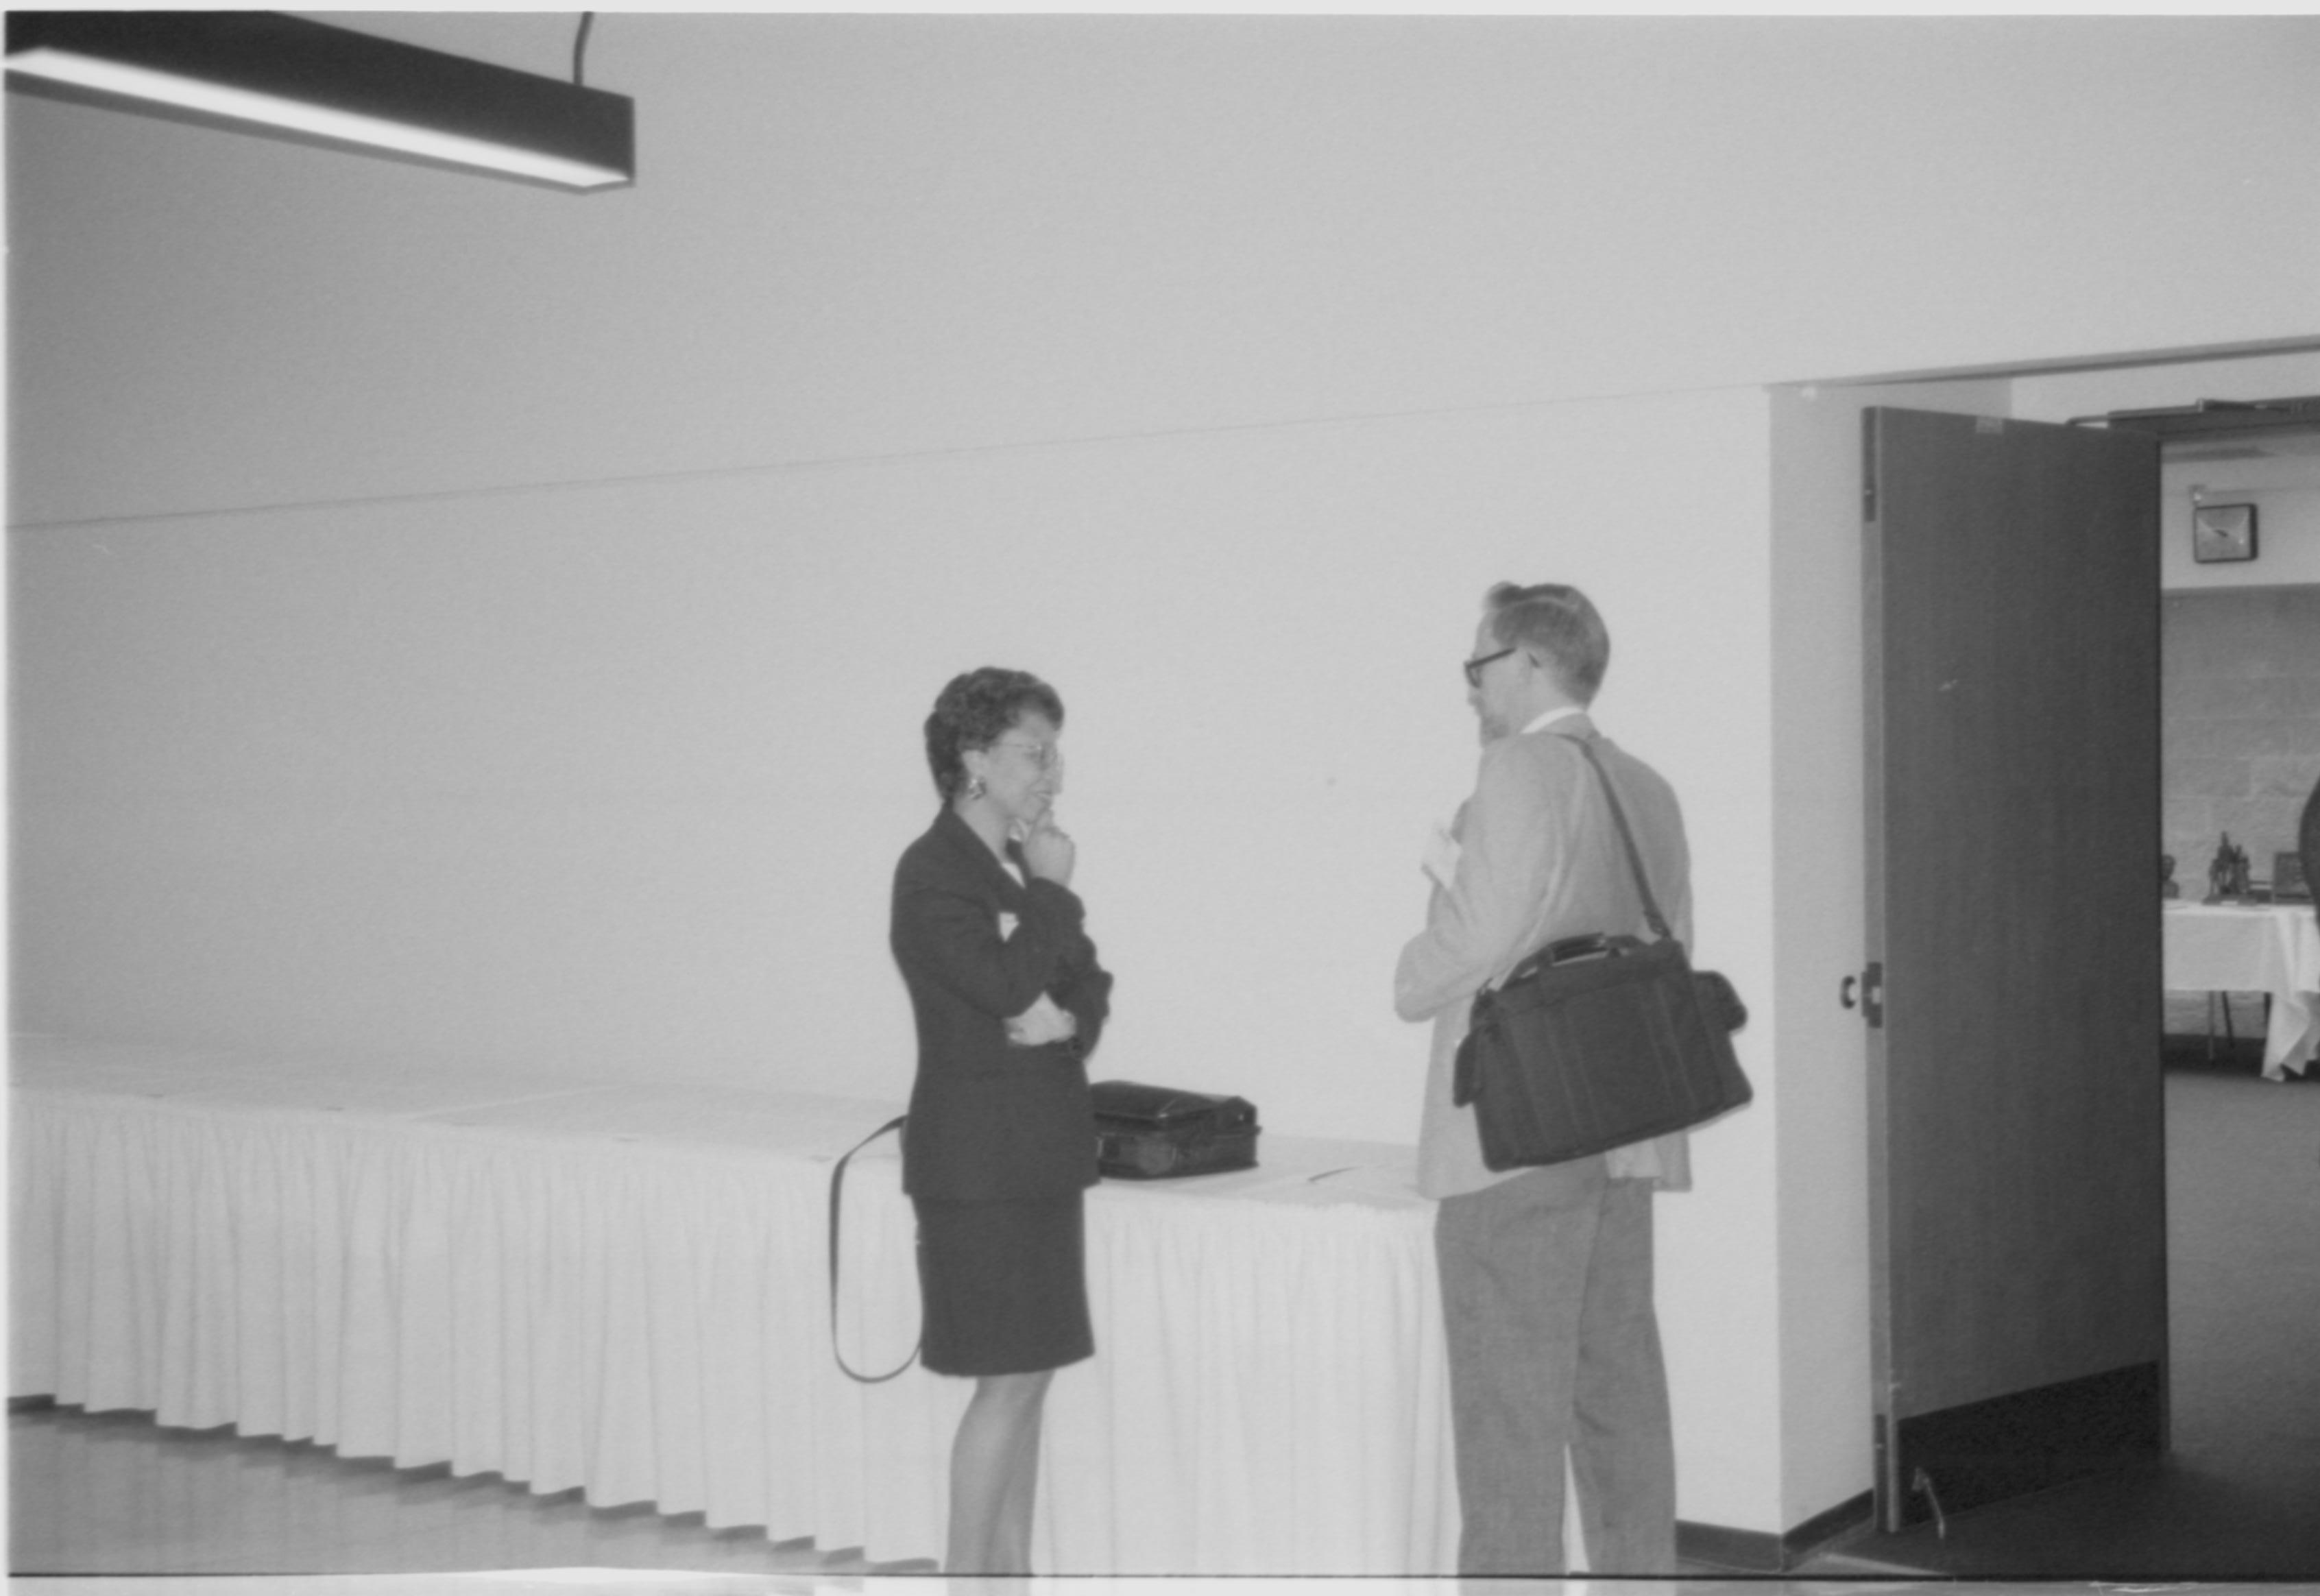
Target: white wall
451, 617
614, 779
858, 237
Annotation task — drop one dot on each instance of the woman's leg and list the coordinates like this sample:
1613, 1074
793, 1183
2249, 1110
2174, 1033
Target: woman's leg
994, 1469
1011, 1544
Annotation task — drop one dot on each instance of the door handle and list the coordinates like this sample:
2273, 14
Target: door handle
1870, 985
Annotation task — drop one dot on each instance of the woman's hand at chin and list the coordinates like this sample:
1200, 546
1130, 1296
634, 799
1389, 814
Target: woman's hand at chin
1049, 853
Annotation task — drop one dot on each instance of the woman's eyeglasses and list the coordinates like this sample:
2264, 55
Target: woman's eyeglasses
1047, 755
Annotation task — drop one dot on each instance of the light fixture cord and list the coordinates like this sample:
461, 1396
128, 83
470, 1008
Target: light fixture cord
580, 48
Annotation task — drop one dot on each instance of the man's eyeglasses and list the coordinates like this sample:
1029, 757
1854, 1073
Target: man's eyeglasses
1047, 755
1473, 668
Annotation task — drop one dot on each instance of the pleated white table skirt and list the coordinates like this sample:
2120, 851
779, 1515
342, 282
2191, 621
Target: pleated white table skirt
625, 1288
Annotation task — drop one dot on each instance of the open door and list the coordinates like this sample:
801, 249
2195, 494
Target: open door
2017, 1120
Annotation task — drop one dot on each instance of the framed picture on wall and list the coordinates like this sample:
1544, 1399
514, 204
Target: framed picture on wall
2222, 532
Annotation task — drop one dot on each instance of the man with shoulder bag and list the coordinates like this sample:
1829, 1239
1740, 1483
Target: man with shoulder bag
1547, 1270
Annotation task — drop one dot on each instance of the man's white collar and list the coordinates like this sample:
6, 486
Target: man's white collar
1551, 717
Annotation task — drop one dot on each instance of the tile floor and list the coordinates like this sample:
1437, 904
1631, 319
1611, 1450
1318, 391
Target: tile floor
102, 1504
111, 1505
113, 1493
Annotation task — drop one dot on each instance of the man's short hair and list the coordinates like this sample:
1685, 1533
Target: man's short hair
1559, 625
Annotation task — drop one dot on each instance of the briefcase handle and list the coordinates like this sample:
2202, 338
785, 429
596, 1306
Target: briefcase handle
836, 1209
1571, 950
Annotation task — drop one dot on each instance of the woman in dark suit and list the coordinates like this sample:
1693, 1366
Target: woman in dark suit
1000, 1145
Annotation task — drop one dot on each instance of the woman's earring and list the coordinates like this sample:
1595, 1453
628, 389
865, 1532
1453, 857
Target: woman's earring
974, 788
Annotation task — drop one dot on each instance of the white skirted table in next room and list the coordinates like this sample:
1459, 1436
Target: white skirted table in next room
624, 1288
2273, 948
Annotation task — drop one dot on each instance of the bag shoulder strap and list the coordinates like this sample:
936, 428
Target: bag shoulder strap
1652, 916
836, 1190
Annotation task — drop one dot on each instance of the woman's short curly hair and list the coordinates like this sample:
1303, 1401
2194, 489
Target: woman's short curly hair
975, 710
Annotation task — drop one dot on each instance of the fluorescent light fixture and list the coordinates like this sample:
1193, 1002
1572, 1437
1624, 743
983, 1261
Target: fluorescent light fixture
264, 71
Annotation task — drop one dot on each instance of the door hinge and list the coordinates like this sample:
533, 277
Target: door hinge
1869, 465
1887, 1445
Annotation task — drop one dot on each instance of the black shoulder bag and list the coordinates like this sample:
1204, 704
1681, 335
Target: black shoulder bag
1599, 1041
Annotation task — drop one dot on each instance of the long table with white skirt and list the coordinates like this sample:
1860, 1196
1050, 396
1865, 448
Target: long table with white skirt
624, 1288
2273, 948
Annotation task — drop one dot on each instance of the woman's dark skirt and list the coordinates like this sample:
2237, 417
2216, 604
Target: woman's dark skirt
1004, 1286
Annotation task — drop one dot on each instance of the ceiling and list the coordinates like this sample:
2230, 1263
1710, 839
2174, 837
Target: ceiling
2263, 446
2224, 430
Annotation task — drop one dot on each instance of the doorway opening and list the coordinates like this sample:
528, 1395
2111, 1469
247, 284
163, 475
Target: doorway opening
2231, 1499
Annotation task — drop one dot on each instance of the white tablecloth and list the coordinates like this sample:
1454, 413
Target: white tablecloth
2272, 949
624, 1288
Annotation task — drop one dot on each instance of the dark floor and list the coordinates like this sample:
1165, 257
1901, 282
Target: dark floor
2166, 1521
2239, 1496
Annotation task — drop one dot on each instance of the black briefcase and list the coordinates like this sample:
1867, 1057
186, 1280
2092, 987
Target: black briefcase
1151, 1133
1597, 1041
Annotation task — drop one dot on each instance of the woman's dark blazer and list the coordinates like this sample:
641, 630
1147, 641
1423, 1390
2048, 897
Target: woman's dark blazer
989, 1120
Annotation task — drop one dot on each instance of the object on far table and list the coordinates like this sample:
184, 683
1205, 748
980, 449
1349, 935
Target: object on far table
2227, 871
2167, 887
2288, 884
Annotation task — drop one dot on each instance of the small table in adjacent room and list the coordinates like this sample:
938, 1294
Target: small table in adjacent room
2273, 948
